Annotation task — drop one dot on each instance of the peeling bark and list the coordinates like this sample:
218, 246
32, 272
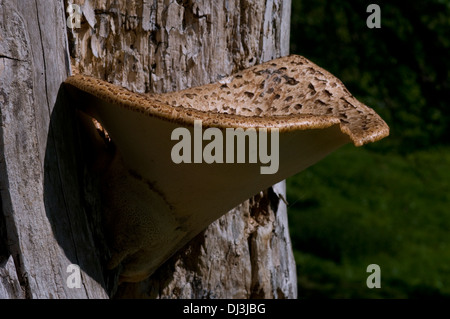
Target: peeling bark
161, 46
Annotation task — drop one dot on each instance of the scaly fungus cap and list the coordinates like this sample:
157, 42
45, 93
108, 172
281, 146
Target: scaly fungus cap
171, 203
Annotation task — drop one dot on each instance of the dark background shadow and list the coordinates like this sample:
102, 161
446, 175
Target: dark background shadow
71, 193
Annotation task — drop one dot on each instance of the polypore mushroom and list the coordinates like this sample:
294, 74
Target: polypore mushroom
154, 204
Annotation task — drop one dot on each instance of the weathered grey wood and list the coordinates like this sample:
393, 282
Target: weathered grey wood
9, 283
46, 225
160, 46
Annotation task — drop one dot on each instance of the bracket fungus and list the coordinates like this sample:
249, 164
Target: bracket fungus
154, 205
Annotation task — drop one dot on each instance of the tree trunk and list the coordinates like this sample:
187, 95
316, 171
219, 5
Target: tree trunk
43, 226
50, 202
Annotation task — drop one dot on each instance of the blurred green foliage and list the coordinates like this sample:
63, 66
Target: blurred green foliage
402, 70
357, 207
389, 202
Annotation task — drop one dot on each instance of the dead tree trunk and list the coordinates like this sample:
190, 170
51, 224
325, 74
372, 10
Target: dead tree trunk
50, 204
43, 223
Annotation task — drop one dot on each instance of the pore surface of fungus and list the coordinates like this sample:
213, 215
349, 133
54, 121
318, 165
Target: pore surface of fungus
153, 206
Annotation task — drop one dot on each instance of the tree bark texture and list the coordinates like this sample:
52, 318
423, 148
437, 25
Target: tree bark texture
43, 224
161, 46
50, 203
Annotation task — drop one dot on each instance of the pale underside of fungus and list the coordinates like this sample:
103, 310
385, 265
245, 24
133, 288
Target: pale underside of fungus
153, 206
